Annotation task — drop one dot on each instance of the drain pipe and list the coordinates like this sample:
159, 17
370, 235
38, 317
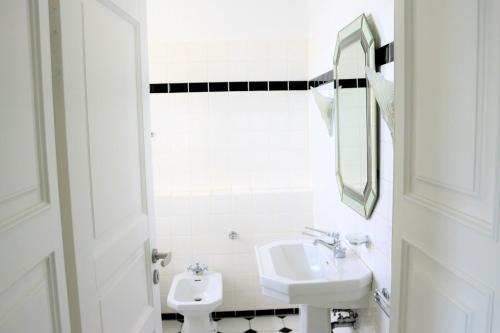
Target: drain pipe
344, 320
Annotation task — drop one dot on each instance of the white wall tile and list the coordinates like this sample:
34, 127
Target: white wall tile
197, 71
158, 73
256, 216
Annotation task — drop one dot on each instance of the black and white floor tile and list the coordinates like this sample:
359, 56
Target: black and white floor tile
267, 324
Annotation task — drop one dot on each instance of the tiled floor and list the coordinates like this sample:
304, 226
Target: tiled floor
268, 324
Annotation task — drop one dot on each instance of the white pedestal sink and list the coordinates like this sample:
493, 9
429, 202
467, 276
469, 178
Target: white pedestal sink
298, 272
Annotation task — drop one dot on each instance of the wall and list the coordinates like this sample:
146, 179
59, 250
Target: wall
228, 160
326, 18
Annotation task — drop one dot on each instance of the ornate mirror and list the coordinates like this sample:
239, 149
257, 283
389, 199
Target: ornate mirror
356, 118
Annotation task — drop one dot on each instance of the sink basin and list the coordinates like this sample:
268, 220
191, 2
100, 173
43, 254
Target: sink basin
299, 272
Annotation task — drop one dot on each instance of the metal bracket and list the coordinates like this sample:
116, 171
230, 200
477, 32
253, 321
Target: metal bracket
349, 320
382, 299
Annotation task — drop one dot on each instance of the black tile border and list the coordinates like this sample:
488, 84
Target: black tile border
248, 314
269, 312
258, 86
156, 88
198, 86
383, 56
278, 85
218, 86
297, 85
177, 88
282, 312
238, 86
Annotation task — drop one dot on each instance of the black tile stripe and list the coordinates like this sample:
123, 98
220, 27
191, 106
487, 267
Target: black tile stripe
238, 86
348, 83
218, 86
168, 316
250, 86
178, 87
362, 83
198, 86
237, 314
258, 86
383, 55
288, 311
245, 314
224, 314
155, 88
278, 85
297, 85
269, 312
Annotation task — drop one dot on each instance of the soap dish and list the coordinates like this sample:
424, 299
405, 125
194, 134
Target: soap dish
358, 239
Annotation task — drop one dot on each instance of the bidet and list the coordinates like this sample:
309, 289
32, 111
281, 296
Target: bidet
195, 297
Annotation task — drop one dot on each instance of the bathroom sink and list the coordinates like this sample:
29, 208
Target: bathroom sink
299, 272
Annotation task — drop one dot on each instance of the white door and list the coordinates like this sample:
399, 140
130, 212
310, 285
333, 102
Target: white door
102, 117
446, 249
32, 284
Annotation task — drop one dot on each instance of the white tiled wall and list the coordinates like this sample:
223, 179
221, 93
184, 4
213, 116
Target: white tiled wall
326, 18
227, 40
229, 60
195, 227
232, 141
229, 160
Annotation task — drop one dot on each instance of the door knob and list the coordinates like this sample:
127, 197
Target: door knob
165, 257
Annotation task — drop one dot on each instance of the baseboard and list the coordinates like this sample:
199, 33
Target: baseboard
237, 314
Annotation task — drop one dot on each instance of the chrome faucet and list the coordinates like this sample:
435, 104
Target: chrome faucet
335, 245
197, 269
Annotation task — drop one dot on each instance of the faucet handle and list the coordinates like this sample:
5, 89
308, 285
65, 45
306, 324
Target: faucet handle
197, 268
193, 267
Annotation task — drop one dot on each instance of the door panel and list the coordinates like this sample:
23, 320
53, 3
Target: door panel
449, 156
30, 294
449, 300
23, 168
104, 121
447, 172
32, 283
121, 311
114, 116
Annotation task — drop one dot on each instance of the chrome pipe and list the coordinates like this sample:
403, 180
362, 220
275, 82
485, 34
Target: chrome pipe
309, 234
329, 234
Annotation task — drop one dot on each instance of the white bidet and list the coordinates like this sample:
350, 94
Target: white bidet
195, 297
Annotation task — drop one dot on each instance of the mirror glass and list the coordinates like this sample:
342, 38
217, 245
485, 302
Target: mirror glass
356, 121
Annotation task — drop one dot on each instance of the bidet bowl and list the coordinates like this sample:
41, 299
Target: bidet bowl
195, 295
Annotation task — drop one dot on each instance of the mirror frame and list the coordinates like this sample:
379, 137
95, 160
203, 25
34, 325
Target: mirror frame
359, 32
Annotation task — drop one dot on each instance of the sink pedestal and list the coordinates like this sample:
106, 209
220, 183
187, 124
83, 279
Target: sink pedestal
315, 320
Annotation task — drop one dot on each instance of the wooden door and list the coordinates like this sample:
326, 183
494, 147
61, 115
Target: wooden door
32, 280
446, 250
104, 150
